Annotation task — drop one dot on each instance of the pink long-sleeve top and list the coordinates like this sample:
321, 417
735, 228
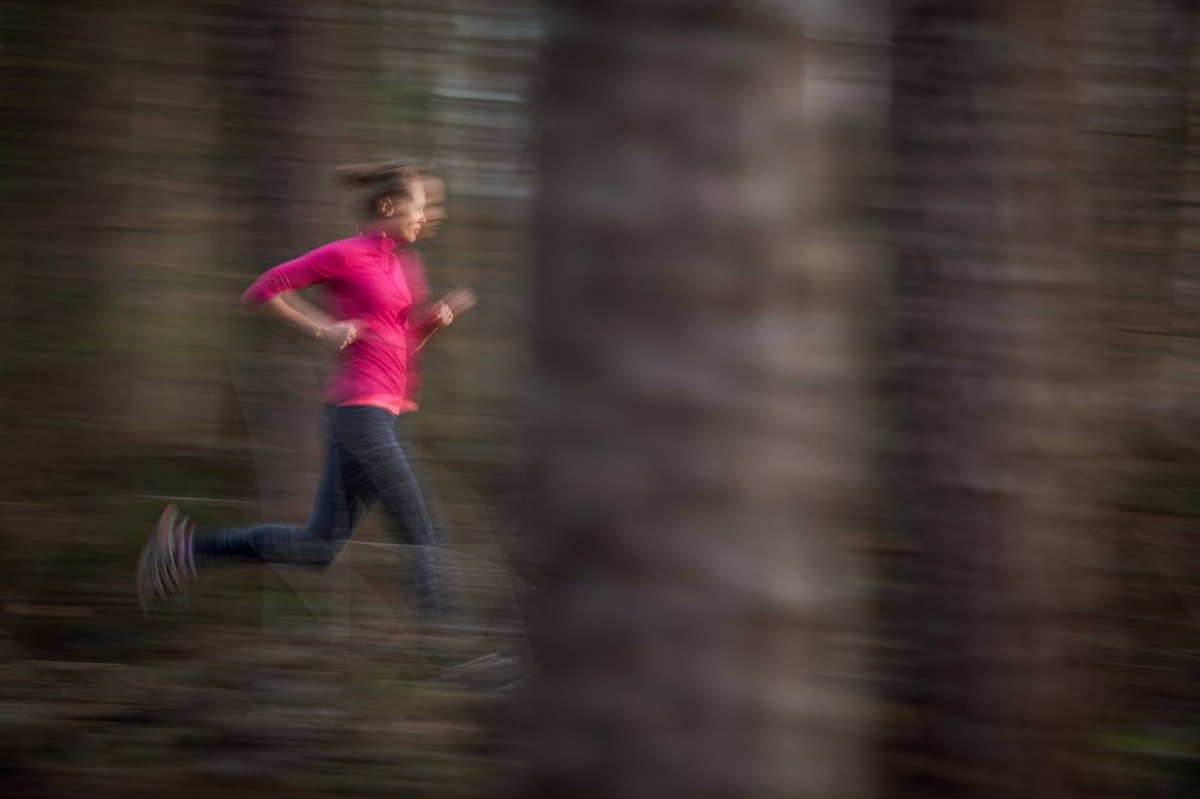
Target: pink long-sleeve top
372, 279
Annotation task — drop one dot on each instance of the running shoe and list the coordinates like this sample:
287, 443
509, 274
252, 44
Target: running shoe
166, 562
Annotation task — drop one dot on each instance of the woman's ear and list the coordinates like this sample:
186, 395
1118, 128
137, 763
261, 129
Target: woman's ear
385, 206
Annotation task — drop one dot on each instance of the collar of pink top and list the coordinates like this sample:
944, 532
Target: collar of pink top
382, 241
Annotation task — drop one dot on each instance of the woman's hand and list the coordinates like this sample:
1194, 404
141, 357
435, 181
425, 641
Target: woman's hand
341, 335
456, 302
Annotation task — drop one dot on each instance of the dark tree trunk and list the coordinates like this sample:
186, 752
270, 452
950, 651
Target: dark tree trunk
996, 345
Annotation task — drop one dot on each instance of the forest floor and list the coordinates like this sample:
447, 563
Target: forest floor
260, 681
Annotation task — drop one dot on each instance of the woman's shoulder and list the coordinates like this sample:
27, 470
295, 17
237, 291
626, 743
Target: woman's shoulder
363, 246
331, 251
340, 246
339, 254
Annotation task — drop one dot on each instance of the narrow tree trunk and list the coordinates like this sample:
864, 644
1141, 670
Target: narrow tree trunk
296, 108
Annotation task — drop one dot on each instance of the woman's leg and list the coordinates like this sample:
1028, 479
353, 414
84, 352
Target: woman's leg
338, 509
385, 472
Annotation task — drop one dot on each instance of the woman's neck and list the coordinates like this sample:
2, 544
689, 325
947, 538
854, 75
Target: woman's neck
378, 229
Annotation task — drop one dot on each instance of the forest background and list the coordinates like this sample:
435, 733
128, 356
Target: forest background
827, 427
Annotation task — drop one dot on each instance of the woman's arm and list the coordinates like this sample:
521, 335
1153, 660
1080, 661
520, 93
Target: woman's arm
294, 310
274, 294
443, 312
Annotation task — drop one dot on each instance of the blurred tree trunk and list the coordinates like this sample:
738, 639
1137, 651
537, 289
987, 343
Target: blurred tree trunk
1143, 78
158, 147
998, 340
291, 79
53, 279
699, 416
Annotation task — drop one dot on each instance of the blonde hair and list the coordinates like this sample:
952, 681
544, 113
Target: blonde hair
370, 183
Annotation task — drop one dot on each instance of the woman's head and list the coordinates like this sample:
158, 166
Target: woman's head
389, 196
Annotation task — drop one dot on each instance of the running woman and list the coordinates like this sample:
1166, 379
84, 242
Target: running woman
378, 319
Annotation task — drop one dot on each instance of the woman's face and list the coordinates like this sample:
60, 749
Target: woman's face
435, 205
404, 217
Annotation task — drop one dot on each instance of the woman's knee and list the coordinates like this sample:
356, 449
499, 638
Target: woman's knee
321, 553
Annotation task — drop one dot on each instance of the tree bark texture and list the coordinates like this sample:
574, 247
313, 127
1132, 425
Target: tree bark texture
698, 425
996, 391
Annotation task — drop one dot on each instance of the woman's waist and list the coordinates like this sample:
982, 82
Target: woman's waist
389, 334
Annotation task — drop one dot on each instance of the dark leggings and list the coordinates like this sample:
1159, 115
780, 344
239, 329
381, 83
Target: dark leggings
365, 462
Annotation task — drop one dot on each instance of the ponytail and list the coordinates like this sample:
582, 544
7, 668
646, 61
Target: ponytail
370, 183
